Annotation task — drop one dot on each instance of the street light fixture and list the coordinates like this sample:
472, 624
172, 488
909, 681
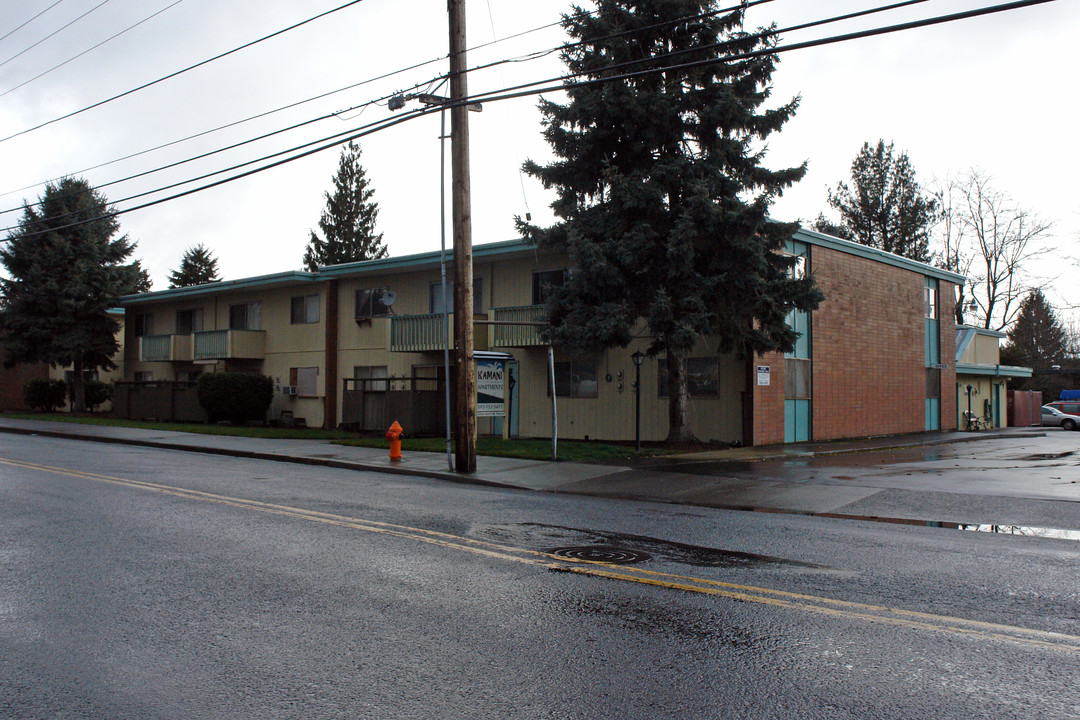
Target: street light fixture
638, 357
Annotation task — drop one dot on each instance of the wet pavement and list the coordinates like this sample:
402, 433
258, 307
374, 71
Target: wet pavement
1016, 478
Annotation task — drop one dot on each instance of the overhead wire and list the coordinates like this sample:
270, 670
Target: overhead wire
182, 71
53, 33
530, 89
90, 49
20, 27
441, 78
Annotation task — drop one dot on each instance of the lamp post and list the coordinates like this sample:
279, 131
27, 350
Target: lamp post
638, 357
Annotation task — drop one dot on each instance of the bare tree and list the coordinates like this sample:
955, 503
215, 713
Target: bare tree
989, 237
953, 254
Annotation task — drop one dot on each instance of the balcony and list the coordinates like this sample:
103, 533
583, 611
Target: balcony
425, 333
509, 336
230, 344
165, 348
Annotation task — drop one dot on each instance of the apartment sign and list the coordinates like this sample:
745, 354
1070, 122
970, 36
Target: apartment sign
490, 388
764, 376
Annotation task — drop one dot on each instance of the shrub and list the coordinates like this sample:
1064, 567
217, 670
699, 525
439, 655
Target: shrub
45, 395
95, 392
236, 397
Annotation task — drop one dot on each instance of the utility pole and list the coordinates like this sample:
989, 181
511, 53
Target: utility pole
465, 382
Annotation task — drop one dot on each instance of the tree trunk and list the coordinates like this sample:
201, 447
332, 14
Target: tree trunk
78, 388
678, 400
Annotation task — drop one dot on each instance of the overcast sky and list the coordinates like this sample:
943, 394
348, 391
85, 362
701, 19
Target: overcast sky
998, 93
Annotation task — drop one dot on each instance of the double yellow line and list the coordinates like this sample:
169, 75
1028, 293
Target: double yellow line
778, 598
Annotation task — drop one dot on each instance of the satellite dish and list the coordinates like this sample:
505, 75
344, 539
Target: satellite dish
388, 297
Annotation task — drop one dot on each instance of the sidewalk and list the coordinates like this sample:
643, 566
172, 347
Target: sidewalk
678, 479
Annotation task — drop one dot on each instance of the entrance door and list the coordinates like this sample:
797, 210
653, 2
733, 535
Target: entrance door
513, 402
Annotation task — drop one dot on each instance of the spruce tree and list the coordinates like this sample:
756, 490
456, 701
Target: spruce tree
1037, 335
661, 193
884, 207
197, 267
348, 222
65, 269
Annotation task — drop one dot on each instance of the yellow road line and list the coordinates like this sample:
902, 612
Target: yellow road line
748, 593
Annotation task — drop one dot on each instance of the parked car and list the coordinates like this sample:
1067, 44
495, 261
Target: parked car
1069, 407
1052, 417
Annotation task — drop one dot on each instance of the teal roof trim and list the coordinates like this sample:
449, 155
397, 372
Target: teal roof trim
992, 370
480, 252
869, 253
261, 281
987, 332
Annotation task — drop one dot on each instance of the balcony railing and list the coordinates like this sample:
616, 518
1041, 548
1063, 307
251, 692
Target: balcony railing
165, 348
523, 335
424, 333
230, 344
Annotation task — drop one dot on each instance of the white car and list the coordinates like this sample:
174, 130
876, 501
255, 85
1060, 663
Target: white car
1052, 417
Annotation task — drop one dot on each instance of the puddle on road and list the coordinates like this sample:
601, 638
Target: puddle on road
1025, 530
556, 536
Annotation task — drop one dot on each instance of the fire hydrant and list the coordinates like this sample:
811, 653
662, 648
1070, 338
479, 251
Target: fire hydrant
394, 435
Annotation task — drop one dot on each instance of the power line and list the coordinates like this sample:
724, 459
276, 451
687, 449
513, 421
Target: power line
355, 85
12, 32
54, 32
95, 47
181, 72
530, 89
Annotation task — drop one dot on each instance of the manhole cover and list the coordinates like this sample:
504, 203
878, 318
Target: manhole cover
601, 553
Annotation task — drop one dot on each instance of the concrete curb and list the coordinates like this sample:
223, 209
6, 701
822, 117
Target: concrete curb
276, 457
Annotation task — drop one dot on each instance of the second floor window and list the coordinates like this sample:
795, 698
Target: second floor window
369, 303
144, 324
435, 296
247, 316
544, 282
305, 309
189, 321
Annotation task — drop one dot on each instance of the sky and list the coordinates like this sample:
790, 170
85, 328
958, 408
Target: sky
995, 93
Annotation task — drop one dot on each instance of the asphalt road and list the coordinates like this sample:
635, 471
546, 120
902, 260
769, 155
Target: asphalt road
139, 583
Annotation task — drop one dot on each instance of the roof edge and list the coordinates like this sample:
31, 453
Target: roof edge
852, 248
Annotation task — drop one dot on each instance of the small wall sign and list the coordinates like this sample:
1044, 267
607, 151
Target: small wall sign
763, 374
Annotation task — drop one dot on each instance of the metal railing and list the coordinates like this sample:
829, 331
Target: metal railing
212, 345
526, 334
155, 348
417, 333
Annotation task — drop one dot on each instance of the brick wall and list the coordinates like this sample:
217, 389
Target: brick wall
868, 349
12, 381
767, 427
947, 295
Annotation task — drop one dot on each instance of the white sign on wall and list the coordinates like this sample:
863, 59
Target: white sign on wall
763, 374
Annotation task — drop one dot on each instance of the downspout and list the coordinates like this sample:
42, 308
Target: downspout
330, 350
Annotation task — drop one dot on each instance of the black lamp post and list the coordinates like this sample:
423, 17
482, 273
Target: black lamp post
638, 357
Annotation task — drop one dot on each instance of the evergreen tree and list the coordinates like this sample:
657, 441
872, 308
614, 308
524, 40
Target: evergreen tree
1037, 335
348, 222
65, 268
197, 267
661, 194
885, 208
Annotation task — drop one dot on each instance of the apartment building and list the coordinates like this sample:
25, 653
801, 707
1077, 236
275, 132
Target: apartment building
362, 344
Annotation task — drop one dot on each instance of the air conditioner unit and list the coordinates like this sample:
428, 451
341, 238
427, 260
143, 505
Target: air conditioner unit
288, 389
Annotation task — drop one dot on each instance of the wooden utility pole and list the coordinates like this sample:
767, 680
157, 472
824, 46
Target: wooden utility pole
465, 381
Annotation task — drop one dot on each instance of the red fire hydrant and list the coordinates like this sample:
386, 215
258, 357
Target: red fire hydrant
394, 435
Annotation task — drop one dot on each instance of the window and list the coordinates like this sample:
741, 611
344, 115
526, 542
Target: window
544, 282
373, 374
144, 324
435, 296
797, 379
305, 380
305, 309
144, 376
931, 302
702, 377
189, 321
247, 316
369, 303
575, 379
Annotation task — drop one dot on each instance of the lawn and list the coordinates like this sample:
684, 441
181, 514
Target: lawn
523, 448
